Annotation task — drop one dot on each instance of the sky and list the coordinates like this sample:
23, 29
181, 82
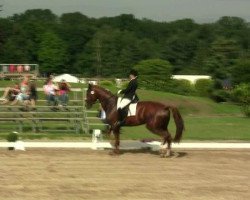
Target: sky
202, 11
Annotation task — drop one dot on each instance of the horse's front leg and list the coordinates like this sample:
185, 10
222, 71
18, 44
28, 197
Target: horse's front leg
116, 149
108, 131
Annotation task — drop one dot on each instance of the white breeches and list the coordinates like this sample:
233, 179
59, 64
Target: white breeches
123, 103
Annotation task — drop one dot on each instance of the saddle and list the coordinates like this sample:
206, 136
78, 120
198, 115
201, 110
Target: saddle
130, 109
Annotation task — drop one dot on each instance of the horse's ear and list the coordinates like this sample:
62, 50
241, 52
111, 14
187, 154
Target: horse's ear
89, 86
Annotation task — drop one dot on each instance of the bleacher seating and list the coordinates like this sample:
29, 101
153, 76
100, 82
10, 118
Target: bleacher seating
45, 118
72, 118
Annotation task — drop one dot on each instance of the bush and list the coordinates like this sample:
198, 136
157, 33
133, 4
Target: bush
182, 87
241, 95
12, 137
106, 83
124, 84
241, 71
203, 87
220, 96
246, 110
154, 69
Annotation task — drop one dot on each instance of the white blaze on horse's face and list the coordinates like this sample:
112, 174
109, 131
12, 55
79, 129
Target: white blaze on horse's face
92, 92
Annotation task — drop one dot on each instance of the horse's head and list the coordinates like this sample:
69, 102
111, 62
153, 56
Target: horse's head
91, 96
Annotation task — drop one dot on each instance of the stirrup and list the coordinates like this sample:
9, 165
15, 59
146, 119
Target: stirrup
118, 124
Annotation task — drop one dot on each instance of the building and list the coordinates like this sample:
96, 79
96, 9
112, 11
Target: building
191, 78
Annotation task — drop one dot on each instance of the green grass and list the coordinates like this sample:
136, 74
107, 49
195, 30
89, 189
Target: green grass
49, 136
204, 119
196, 128
217, 128
201, 128
188, 105
191, 105
39, 83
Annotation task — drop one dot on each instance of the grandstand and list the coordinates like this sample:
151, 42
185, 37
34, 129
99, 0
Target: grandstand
72, 118
18, 70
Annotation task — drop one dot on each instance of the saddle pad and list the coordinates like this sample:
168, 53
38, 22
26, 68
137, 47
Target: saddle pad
132, 107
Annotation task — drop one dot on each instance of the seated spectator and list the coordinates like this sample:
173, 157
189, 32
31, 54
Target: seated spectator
50, 92
24, 92
10, 94
32, 96
63, 92
101, 113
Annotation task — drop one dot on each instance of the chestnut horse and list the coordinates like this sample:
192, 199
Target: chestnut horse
155, 115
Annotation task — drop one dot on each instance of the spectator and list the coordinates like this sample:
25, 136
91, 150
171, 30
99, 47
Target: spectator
10, 94
50, 92
102, 113
24, 91
64, 89
32, 95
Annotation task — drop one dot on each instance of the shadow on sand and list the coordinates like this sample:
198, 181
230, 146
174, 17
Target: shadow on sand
174, 154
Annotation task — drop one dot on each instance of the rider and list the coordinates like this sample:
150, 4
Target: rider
129, 95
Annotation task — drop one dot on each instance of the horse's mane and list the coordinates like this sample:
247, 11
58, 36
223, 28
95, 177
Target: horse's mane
105, 91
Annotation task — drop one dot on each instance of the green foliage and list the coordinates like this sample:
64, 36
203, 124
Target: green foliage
203, 87
111, 46
12, 137
52, 53
180, 51
105, 83
246, 110
183, 87
200, 128
154, 74
125, 84
223, 54
154, 69
241, 94
241, 71
220, 95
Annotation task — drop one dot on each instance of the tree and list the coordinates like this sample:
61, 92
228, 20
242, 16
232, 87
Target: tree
241, 72
203, 87
44, 16
111, 46
52, 54
180, 51
76, 30
230, 27
154, 69
223, 55
16, 47
241, 94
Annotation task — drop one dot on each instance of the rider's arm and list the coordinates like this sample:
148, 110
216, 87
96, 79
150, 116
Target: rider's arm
129, 87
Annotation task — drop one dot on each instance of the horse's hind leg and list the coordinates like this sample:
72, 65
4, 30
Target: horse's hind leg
158, 126
167, 139
165, 150
116, 149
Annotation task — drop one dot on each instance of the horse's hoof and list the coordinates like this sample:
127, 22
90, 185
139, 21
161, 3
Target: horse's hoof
167, 156
114, 153
162, 153
174, 155
165, 153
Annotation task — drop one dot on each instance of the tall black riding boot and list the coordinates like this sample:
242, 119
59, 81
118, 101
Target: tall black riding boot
121, 117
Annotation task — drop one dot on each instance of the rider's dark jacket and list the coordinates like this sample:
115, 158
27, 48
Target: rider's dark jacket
129, 92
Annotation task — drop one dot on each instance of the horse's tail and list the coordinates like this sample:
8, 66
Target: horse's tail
179, 124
